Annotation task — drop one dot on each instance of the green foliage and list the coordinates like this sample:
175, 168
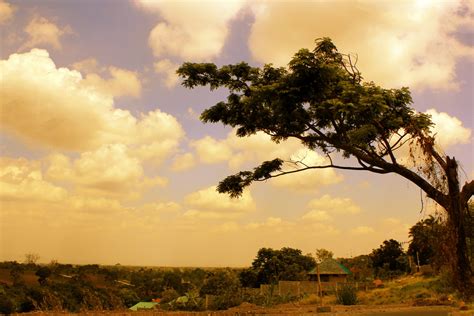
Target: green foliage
6, 305
168, 295
347, 295
426, 241
271, 265
43, 273
323, 254
319, 99
220, 282
389, 257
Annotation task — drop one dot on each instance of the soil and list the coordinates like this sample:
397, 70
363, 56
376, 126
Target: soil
295, 309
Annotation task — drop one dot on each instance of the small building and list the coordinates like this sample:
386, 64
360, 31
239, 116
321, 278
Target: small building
330, 271
143, 306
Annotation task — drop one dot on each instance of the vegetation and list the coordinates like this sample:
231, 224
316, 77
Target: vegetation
390, 258
271, 265
322, 101
347, 295
427, 241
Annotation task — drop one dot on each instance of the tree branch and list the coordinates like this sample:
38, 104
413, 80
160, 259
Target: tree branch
467, 192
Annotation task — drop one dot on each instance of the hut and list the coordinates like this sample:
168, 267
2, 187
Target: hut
330, 271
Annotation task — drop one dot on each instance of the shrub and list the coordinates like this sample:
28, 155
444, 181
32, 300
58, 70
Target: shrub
6, 305
347, 295
169, 295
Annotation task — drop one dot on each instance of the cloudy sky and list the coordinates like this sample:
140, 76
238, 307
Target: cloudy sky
104, 159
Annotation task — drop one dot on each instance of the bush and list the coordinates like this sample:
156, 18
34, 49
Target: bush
168, 295
226, 300
347, 295
6, 305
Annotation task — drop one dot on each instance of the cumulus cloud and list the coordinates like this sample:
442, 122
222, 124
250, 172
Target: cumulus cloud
397, 42
56, 107
122, 82
324, 208
210, 150
21, 179
362, 230
43, 103
317, 215
111, 169
448, 130
168, 69
160, 207
43, 32
6, 11
209, 204
309, 179
237, 151
191, 29
334, 205
183, 162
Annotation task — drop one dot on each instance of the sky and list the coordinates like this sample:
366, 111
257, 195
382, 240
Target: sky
104, 159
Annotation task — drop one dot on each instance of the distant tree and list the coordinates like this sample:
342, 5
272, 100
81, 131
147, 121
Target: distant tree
172, 279
43, 273
323, 254
389, 256
16, 273
220, 282
31, 258
6, 305
426, 241
360, 266
272, 265
322, 101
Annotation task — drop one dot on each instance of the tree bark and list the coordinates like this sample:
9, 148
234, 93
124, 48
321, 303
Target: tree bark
457, 211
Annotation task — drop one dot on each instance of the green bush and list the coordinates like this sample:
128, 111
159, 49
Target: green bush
347, 295
6, 305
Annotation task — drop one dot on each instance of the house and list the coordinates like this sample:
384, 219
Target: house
330, 271
143, 306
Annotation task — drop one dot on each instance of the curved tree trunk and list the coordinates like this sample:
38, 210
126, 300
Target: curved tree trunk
457, 211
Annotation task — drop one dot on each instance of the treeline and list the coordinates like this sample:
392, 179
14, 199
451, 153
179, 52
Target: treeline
65, 287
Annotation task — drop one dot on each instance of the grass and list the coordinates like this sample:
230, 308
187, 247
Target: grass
416, 290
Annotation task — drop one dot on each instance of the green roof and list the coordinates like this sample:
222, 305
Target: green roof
330, 266
143, 305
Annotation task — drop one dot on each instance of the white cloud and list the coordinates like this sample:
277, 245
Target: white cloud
122, 82
109, 170
21, 179
183, 162
409, 43
316, 215
56, 107
258, 148
362, 230
334, 205
309, 179
191, 29
41, 32
6, 12
208, 203
210, 150
168, 69
448, 130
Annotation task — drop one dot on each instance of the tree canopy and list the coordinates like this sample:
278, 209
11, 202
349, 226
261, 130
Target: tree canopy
427, 241
389, 256
321, 100
272, 265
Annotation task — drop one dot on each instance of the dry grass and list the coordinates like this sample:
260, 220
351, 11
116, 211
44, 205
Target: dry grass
413, 290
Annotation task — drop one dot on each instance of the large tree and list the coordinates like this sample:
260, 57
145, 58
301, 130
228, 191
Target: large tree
271, 266
427, 241
321, 100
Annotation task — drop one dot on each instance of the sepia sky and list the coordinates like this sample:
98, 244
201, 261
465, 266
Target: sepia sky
104, 159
